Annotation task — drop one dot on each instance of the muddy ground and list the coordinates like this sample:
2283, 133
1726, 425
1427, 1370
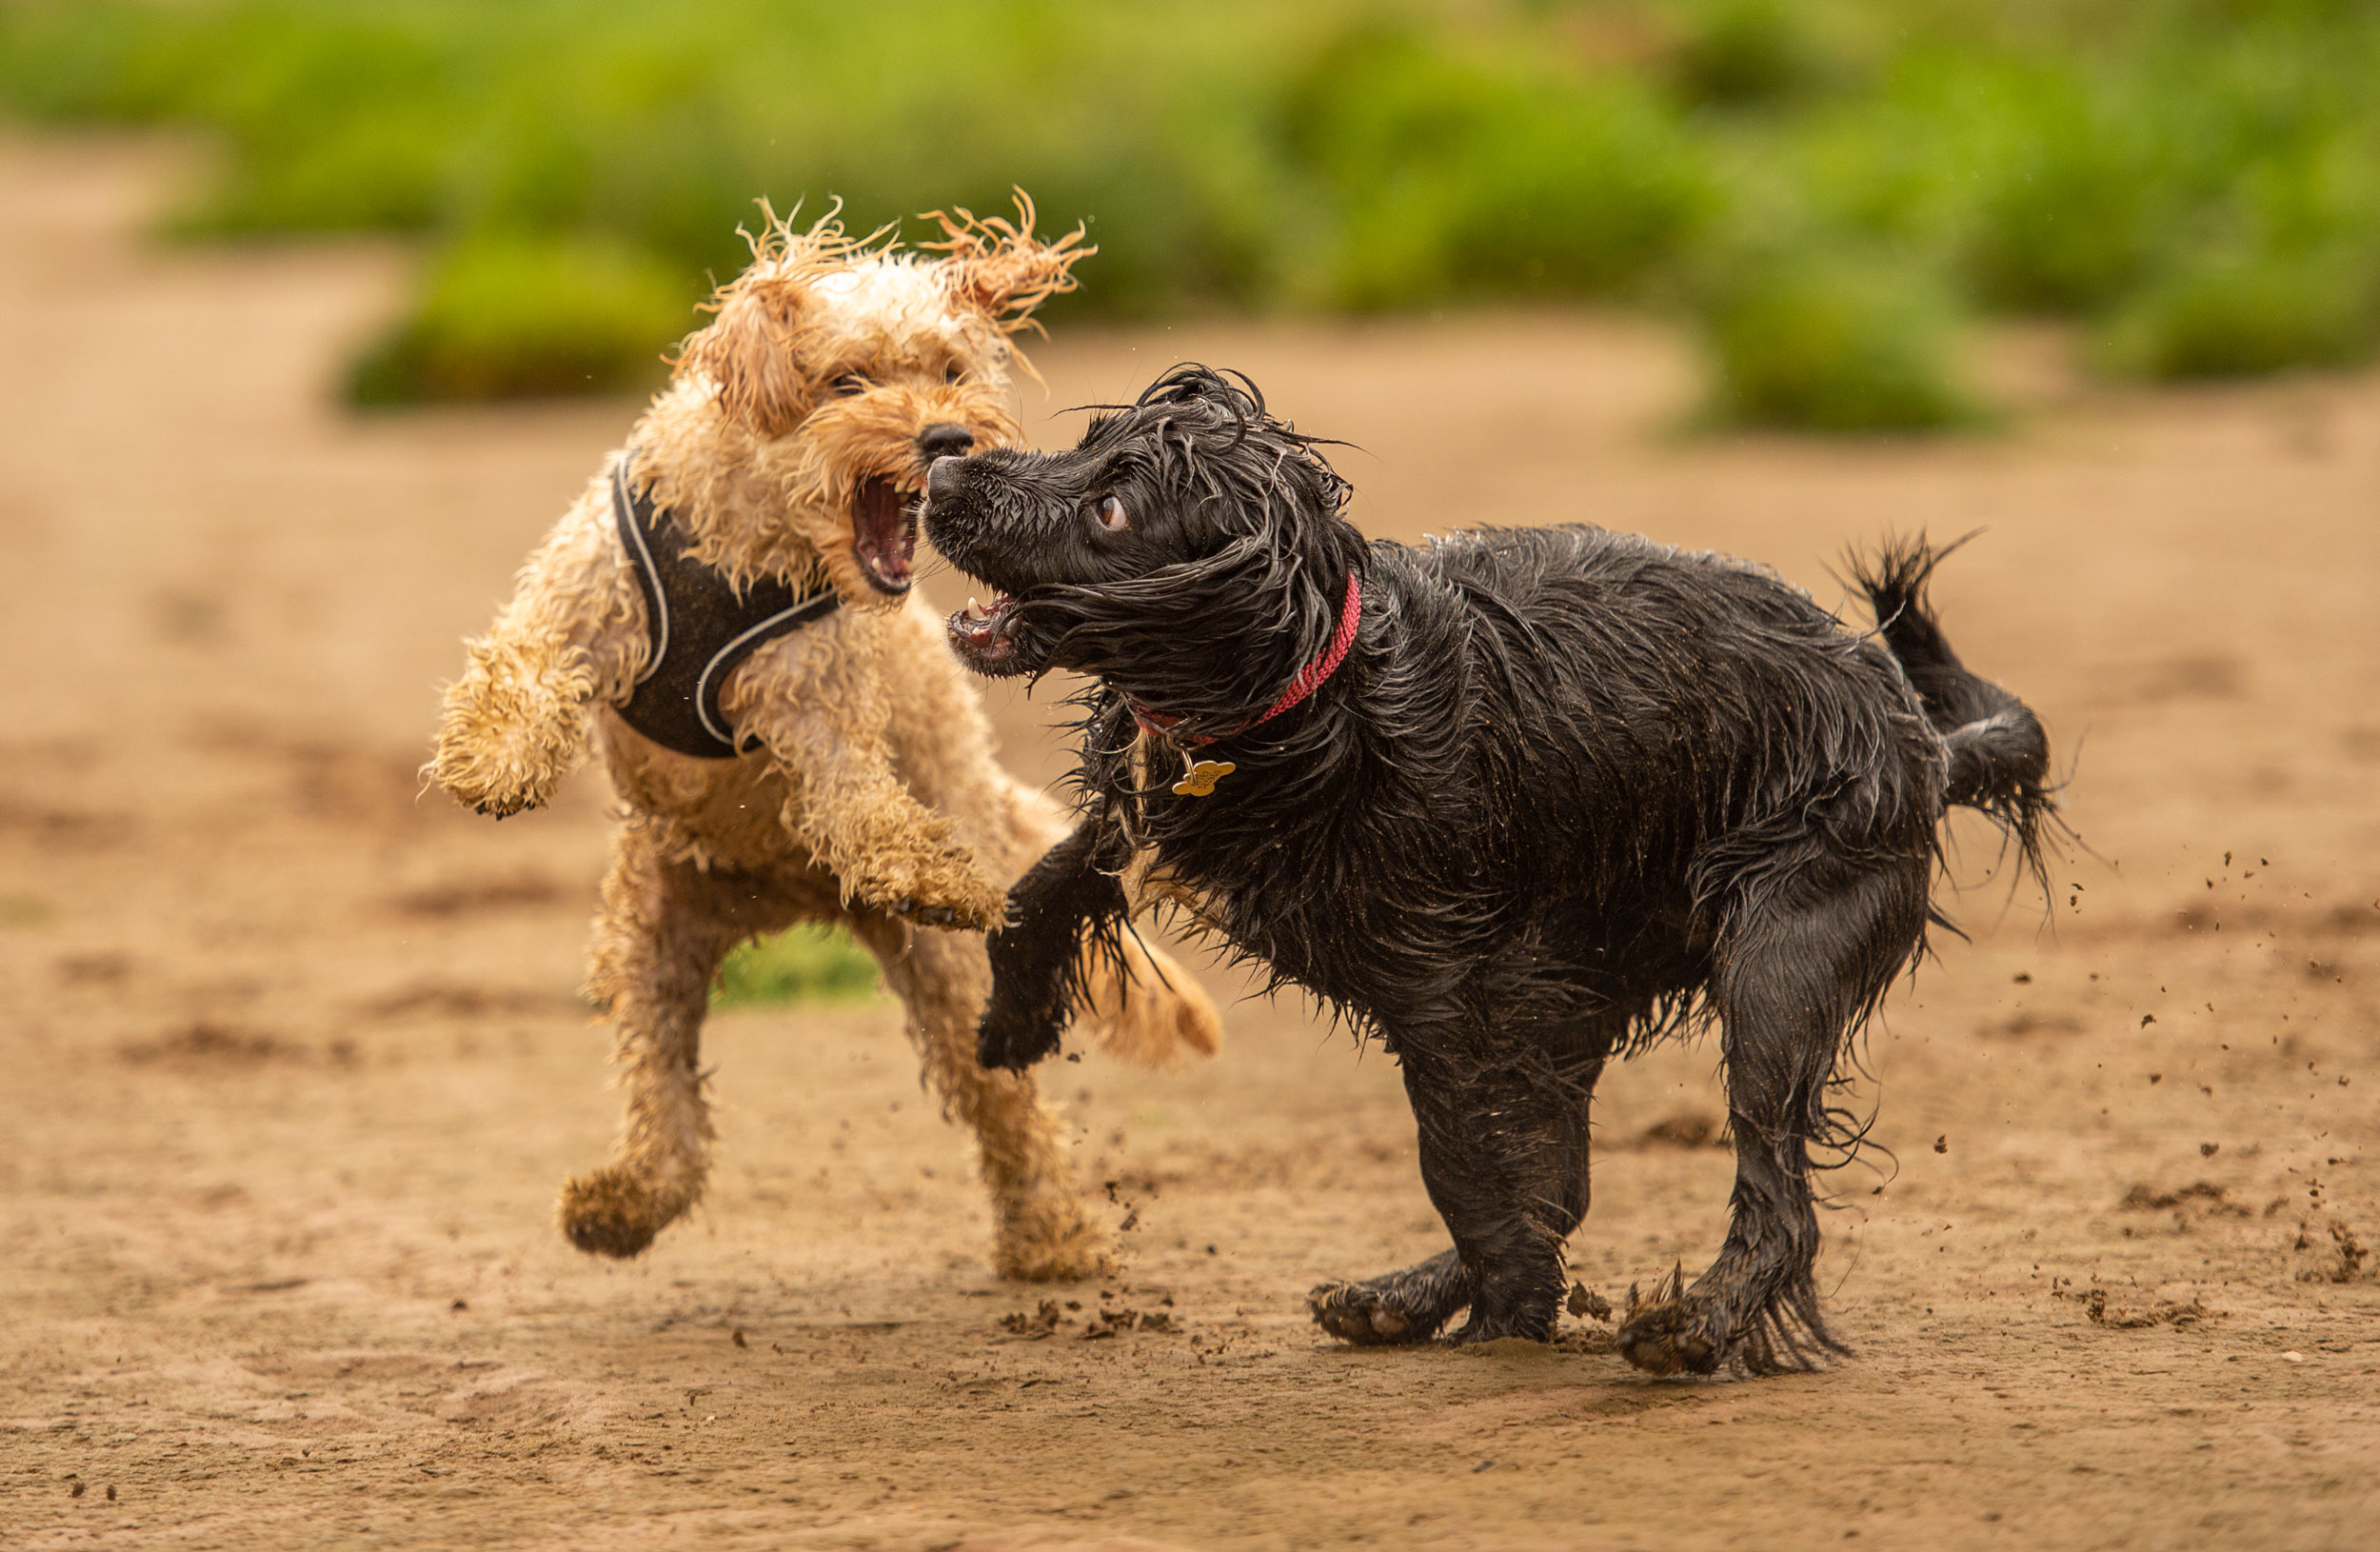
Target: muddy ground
290, 1062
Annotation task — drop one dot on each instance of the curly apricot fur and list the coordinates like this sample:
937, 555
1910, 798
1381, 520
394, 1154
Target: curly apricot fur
874, 791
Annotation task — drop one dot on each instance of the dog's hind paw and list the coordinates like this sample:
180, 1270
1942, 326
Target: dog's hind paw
1054, 1241
608, 1213
1670, 1333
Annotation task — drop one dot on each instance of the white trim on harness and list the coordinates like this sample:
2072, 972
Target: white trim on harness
702, 680
623, 510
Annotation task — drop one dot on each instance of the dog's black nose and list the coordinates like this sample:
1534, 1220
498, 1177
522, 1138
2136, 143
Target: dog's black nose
946, 439
941, 478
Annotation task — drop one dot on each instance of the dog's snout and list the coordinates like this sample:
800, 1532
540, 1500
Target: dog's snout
941, 478
945, 439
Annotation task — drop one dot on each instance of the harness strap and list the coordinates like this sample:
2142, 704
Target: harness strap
699, 625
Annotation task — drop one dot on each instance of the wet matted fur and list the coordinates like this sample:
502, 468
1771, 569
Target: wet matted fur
1569, 791
791, 446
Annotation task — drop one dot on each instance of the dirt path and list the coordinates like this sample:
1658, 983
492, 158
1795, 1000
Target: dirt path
292, 1064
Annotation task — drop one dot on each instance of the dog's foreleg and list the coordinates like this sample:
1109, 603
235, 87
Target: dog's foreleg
517, 722
1503, 1132
1038, 982
514, 725
660, 936
819, 705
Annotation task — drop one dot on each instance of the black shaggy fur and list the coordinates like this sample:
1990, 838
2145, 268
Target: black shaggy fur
1570, 790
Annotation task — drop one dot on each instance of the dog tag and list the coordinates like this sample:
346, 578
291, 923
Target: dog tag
1200, 778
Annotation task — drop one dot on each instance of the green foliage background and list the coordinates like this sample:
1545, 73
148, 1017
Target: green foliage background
1828, 188
804, 964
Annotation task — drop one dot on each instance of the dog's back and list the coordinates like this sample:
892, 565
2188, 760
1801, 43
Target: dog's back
1678, 697
1607, 735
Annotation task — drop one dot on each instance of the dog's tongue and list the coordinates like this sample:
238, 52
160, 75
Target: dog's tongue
883, 534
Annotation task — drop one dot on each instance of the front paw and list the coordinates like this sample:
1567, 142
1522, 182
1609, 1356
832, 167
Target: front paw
498, 793
950, 894
512, 727
1361, 1315
1014, 1041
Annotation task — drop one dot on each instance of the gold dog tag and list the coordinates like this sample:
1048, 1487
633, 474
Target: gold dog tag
1200, 778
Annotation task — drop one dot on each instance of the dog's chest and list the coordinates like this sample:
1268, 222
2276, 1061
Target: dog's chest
1257, 896
728, 813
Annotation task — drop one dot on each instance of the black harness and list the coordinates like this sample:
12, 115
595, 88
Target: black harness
699, 625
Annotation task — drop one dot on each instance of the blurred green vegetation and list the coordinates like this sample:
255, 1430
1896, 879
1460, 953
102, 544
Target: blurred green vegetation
1829, 189
805, 964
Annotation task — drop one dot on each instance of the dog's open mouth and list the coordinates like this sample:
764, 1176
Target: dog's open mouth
885, 535
979, 635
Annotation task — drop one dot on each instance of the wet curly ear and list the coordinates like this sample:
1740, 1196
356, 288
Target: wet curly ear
999, 268
749, 351
754, 349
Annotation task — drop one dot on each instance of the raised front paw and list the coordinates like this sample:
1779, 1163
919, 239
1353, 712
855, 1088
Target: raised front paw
949, 893
1013, 1040
513, 726
496, 792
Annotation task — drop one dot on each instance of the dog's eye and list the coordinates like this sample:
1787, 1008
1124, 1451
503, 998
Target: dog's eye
952, 374
849, 384
1113, 517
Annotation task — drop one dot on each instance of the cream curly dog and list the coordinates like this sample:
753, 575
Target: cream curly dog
726, 613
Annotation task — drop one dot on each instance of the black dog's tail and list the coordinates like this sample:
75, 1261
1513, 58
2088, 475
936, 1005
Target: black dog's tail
1999, 754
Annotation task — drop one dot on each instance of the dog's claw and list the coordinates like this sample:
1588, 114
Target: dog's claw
925, 915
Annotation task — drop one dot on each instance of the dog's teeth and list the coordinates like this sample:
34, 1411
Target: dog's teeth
975, 610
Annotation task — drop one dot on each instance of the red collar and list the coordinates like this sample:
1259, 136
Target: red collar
1310, 679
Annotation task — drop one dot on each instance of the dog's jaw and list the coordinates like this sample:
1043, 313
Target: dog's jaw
885, 535
981, 638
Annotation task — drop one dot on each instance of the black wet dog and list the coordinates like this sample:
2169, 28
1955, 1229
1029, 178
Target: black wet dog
1518, 801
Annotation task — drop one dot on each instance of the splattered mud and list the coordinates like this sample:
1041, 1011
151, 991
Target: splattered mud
292, 1064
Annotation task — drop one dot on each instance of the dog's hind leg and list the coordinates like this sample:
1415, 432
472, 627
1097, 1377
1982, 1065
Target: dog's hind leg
663, 929
1041, 1231
1794, 974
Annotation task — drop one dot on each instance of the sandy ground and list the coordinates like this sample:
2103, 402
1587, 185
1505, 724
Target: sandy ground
291, 1064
